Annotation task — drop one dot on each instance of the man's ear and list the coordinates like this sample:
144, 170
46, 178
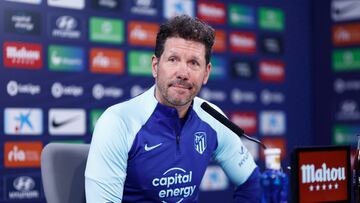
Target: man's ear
154, 65
207, 73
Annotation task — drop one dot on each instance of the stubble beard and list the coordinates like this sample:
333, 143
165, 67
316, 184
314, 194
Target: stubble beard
175, 99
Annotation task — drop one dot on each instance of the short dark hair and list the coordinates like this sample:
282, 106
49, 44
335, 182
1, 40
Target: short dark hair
188, 28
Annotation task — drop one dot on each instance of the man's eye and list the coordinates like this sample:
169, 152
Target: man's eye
172, 59
194, 63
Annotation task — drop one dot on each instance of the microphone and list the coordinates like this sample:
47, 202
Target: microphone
232, 126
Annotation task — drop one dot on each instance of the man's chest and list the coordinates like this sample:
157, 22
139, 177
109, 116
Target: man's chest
169, 164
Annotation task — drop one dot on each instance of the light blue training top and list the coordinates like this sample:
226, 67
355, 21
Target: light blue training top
142, 152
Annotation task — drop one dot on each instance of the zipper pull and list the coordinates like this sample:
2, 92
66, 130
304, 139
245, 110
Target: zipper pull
177, 139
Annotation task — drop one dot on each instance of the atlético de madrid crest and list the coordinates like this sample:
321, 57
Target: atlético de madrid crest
200, 142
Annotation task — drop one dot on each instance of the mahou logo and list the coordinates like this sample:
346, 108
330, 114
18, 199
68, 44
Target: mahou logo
322, 176
22, 154
212, 12
243, 42
245, 120
22, 55
271, 71
311, 174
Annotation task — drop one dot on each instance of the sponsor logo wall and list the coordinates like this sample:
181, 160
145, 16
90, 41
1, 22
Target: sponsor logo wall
64, 62
340, 73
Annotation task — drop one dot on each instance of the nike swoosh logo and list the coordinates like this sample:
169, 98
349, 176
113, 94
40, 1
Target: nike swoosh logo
350, 7
56, 124
147, 148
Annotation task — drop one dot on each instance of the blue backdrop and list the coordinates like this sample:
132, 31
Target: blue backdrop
336, 72
62, 61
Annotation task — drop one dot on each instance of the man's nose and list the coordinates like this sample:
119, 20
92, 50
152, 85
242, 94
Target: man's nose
182, 71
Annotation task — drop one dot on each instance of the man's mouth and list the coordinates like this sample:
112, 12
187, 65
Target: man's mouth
182, 85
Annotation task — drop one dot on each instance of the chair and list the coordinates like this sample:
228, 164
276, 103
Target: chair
62, 172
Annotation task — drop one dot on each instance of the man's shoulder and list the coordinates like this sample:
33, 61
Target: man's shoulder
199, 101
139, 107
205, 116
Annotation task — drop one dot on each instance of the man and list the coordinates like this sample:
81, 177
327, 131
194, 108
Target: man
156, 146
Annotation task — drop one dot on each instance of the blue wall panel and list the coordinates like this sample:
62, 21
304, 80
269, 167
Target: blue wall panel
264, 87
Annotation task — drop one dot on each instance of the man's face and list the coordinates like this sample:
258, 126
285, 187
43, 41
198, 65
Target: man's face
180, 72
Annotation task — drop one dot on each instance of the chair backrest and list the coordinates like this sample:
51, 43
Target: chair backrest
62, 172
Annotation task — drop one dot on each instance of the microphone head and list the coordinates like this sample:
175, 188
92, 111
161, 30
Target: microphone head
205, 106
221, 118
232, 126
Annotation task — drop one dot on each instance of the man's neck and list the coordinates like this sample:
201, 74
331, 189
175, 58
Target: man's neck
182, 110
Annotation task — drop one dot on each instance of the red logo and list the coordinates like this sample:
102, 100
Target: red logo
212, 12
322, 176
346, 34
22, 55
220, 41
106, 61
245, 120
22, 154
243, 42
142, 34
272, 71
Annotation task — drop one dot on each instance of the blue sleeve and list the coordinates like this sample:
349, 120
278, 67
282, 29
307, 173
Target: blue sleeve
250, 190
233, 156
238, 164
107, 160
